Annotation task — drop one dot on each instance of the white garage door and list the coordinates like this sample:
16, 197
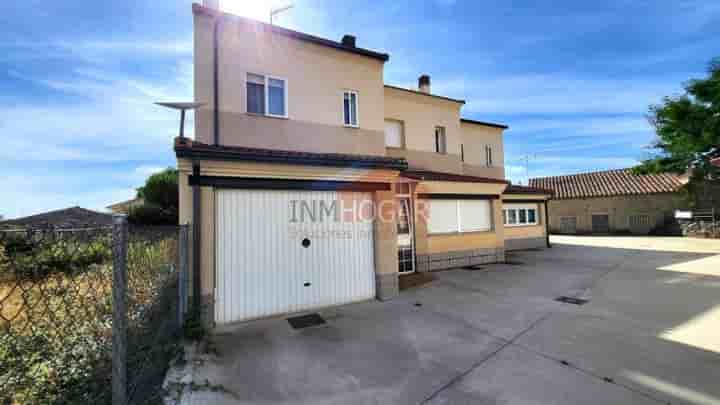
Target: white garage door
285, 251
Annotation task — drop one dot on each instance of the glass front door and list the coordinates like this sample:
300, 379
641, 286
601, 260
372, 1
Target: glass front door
406, 245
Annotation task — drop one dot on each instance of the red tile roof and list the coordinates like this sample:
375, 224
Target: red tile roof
426, 175
608, 183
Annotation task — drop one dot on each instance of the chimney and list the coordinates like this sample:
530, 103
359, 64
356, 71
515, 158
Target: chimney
213, 4
424, 84
348, 40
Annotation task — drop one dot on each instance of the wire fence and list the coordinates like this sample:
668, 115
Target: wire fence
71, 299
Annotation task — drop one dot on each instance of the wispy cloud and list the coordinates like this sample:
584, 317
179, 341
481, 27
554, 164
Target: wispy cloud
98, 128
557, 94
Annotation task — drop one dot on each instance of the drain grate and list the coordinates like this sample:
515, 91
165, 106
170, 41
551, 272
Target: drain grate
571, 300
306, 321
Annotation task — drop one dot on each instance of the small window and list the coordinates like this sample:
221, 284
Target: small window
266, 95
462, 152
512, 217
532, 216
276, 97
440, 140
522, 216
350, 108
519, 216
394, 137
403, 220
255, 94
488, 156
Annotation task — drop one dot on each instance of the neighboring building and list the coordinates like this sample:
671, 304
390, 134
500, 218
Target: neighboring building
124, 207
613, 201
295, 126
525, 217
68, 218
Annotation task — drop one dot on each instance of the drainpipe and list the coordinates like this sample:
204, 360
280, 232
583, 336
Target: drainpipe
197, 221
547, 225
216, 81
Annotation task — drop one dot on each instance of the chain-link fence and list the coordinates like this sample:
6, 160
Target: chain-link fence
61, 341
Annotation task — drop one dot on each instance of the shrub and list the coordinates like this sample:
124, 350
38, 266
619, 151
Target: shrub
25, 258
149, 214
161, 189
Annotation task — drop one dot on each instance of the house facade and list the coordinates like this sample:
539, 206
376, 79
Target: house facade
311, 183
613, 201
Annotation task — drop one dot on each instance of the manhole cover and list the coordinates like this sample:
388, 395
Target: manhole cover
306, 321
571, 300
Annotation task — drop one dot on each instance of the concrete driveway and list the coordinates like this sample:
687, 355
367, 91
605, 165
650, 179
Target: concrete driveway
649, 334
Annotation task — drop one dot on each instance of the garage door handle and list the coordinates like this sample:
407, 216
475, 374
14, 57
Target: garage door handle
307, 284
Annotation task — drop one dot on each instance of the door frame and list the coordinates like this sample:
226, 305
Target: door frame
411, 230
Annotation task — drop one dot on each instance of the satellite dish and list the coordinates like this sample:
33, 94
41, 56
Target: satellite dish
182, 107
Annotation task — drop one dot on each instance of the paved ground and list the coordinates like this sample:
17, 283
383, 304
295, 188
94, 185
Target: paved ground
650, 334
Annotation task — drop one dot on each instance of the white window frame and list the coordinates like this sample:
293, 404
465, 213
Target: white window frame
459, 221
517, 208
266, 84
350, 111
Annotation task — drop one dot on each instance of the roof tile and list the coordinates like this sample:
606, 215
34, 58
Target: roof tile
608, 183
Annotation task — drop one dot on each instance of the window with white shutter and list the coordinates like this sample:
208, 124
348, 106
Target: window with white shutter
394, 134
443, 216
475, 215
453, 216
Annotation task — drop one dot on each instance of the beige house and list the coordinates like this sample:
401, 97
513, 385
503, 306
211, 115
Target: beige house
613, 201
311, 183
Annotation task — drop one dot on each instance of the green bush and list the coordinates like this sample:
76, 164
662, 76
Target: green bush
28, 259
148, 214
161, 189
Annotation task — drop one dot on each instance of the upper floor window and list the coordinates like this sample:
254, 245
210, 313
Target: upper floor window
350, 108
440, 140
488, 156
266, 95
394, 137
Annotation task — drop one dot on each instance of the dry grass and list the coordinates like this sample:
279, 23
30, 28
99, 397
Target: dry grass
56, 300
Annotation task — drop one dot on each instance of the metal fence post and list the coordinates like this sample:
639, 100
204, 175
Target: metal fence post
182, 273
119, 325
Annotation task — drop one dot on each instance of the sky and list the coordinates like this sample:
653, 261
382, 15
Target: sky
572, 79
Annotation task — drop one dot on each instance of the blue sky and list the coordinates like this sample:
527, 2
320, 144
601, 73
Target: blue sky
573, 79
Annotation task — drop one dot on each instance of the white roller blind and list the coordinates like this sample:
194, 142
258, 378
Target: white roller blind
475, 215
393, 134
443, 216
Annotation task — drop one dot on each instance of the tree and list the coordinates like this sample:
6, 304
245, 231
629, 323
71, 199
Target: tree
688, 130
161, 189
160, 200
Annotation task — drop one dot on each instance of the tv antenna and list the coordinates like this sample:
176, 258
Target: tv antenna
277, 10
526, 160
